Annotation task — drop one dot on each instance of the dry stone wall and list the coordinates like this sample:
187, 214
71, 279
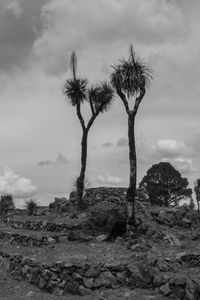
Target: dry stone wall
154, 272
29, 239
39, 225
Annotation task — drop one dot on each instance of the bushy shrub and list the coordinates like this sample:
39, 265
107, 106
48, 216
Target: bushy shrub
191, 203
165, 185
6, 205
197, 191
31, 207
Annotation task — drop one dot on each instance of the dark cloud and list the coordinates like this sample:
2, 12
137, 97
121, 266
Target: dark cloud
69, 25
20, 24
122, 142
107, 145
43, 163
60, 160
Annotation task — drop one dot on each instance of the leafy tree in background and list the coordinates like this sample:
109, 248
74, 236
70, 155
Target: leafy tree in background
6, 205
99, 98
165, 185
130, 78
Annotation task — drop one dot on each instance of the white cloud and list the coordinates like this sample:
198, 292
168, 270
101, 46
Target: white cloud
184, 165
169, 147
18, 186
109, 179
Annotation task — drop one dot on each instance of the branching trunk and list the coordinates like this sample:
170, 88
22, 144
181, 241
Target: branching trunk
131, 193
81, 178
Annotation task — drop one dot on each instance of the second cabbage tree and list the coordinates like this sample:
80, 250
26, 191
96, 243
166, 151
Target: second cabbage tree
130, 78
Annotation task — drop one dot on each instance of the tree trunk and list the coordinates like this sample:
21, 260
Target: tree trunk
81, 178
131, 193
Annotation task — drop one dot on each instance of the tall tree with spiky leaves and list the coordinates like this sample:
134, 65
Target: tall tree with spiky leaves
99, 98
130, 78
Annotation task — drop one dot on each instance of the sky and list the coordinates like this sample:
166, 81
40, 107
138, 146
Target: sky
40, 133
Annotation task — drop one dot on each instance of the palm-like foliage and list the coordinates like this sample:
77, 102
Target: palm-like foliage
101, 97
76, 90
131, 75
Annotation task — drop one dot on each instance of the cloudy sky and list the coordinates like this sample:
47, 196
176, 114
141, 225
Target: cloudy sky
40, 133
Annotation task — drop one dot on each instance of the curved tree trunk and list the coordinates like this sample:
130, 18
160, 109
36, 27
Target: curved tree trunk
81, 178
131, 193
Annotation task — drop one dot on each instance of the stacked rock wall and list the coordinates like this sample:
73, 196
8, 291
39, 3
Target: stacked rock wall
154, 272
39, 225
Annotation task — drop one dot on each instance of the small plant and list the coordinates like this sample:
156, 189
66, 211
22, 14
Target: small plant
191, 203
6, 204
86, 185
31, 207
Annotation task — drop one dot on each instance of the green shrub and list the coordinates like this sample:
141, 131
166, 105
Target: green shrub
6, 204
31, 207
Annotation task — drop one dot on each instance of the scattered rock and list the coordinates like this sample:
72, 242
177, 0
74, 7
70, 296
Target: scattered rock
186, 222
93, 271
140, 275
165, 290
84, 291
105, 279
30, 294
101, 238
88, 282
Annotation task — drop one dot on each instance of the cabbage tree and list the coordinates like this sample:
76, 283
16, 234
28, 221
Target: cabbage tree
99, 98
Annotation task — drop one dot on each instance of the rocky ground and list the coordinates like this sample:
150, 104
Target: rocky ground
87, 255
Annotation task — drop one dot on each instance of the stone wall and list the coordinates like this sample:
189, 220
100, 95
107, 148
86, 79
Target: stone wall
166, 275
29, 239
39, 225
62, 278
95, 195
